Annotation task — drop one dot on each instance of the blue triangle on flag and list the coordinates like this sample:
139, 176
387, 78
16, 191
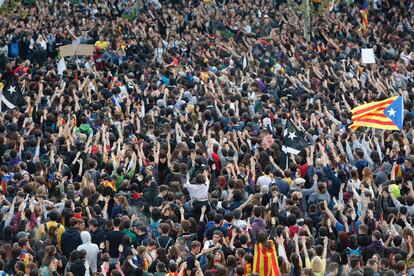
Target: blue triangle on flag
395, 112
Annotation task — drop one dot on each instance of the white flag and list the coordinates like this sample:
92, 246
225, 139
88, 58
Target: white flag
61, 66
244, 63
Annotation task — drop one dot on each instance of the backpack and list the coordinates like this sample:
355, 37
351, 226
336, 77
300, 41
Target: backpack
153, 228
355, 252
203, 258
14, 49
43, 236
166, 245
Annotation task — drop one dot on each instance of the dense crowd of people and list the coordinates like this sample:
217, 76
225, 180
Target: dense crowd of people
161, 154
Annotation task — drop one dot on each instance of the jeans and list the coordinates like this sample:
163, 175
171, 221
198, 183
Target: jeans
197, 208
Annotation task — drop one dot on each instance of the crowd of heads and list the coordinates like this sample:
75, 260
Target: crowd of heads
161, 153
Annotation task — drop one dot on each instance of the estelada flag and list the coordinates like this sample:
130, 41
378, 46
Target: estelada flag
108, 183
4, 186
386, 114
265, 260
364, 16
10, 94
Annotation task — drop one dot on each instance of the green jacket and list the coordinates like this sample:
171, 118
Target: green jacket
132, 235
121, 178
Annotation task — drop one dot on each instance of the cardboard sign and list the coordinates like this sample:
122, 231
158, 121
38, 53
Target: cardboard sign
61, 66
368, 56
76, 50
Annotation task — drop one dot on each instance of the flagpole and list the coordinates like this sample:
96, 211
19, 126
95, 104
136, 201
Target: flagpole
306, 20
287, 161
402, 114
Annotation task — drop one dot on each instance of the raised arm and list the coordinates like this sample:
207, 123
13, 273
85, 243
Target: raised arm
325, 248
329, 213
391, 237
305, 252
275, 165
296, 239
281, 249
410, 246
105, 209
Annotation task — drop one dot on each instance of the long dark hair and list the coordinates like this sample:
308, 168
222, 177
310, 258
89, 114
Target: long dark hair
262, 238
210, 261
8, 234
162, 255
50, 252
296, 268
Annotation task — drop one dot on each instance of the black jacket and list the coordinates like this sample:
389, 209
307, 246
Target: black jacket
143, 240
150, 193
375, 247
78, 268
363, 240
71, 239
9, 269
98, 236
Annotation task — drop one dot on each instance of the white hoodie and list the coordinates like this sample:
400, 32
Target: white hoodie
92, 250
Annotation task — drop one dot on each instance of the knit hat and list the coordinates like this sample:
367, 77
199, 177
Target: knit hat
85, 129
160, 103
395, 190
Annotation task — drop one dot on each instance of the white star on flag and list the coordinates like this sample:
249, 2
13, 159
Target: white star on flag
12, 89
391, 112
292, 135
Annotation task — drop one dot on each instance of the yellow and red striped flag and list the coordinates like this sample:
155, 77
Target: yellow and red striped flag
265, 260
247, 269
364, 16
374, 114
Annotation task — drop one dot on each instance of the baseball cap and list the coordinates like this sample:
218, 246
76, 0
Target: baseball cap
299, 181
22, 235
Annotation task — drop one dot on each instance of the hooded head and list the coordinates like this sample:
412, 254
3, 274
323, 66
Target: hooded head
85, 236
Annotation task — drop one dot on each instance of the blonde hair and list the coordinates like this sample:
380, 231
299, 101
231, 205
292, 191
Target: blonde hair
124, 202
316, 264
41, 191
141, 250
